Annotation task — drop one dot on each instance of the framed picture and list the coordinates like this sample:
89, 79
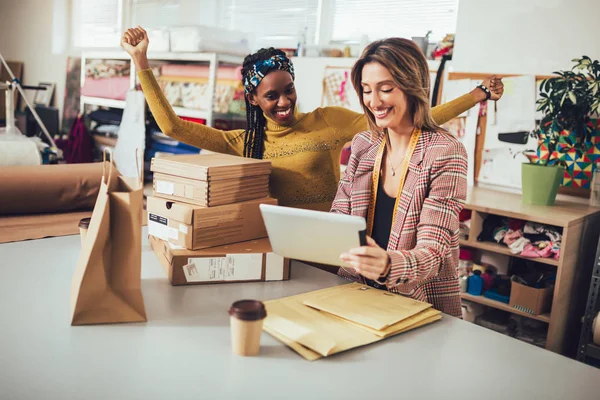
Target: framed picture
44, 97
338, 90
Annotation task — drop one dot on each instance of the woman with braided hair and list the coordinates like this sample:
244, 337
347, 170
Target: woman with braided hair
304, 148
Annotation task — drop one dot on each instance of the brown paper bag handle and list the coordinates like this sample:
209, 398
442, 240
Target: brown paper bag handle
104, 166
140, 171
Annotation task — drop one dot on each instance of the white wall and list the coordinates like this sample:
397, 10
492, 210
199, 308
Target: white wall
496, 36
525, 36
26, 34
310, 72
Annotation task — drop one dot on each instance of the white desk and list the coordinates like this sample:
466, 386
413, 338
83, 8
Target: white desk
183, 351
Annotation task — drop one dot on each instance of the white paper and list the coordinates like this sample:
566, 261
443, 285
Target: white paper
175, 246
132, 136
274, 267
232, 267
183, 228
514, 112
165, 187
455, 88
501, 167
501, 161
159, 227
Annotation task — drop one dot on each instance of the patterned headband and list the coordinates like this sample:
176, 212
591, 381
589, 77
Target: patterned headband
262, 67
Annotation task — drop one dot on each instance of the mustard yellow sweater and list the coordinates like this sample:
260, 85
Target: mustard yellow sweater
304, 157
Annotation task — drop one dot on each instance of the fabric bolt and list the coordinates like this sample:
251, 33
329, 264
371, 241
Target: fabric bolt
518, 245
512, 236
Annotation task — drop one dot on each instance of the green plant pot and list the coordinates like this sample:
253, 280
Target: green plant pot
540, 183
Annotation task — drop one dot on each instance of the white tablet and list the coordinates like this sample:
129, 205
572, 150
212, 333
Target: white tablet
315, 236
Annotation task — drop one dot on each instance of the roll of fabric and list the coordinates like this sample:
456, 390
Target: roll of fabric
596, 329
49, 188
19, 152
201, 71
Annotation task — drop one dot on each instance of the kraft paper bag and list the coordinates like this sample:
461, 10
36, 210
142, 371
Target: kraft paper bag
106, 287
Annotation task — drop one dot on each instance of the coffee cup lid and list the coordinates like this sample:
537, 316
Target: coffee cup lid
85, 223
248, 310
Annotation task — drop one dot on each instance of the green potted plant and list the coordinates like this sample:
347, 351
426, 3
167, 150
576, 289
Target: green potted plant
567, 102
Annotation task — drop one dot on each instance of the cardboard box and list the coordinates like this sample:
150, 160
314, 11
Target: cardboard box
250, 261
210, 167
530, 300
195, 227
210, 194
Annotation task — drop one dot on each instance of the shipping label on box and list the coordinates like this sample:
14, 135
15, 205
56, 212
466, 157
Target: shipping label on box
159, 226
233, 267
249, 261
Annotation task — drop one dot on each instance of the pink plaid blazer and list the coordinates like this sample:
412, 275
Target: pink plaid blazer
423, 244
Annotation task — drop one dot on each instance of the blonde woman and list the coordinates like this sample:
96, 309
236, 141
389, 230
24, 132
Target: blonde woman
407, 177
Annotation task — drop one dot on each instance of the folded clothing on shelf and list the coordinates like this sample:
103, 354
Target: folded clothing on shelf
194, 95
528, 239
114, 88
103, 68
201, 71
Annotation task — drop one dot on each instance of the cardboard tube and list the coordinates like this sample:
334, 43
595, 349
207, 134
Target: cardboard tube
596, 330
49, 188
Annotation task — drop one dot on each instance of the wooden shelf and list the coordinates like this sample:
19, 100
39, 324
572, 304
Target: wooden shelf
562, 213
98, 101
198, 57
190, 112
503, 306
203, 114
500, 249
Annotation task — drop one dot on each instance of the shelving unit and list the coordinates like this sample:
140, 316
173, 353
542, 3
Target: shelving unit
587, 348
499, 249
503, 306
213, 59
581, 228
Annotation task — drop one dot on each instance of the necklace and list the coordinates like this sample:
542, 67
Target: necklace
389, 160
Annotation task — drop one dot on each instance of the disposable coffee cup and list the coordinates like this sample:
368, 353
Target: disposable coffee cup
83, 228
246, 317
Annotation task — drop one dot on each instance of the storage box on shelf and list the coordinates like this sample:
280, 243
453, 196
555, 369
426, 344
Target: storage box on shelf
91, 97
580, 229
213, 60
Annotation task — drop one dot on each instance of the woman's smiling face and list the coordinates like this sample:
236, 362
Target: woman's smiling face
276, 96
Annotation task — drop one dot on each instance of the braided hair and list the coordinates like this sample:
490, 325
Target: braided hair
255, 120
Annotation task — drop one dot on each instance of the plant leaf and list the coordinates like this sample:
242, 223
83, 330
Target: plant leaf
573, 97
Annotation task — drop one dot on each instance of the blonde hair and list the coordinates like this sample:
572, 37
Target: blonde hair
408, 67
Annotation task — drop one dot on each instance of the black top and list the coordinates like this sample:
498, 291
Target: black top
384, 212
382, 223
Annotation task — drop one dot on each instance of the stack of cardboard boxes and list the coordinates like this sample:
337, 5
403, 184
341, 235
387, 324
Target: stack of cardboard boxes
204, 220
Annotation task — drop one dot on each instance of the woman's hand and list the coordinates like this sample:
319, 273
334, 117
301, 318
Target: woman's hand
371, 261
495, 86
135, 43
